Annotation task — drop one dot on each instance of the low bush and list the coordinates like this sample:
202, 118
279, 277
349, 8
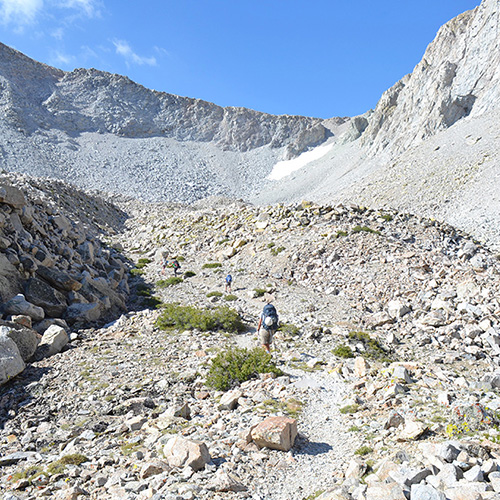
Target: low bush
211, 265
189, 274
276, 251
363, 450
259, 292
174, 280
214, 294
364, 229
349, 409
136, 272
230, 297
343, 351
373, 349
142, 263
235, 365
188, 317
288, 329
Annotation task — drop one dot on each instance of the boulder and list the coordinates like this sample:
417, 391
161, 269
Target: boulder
182, 452
11, 361
19, 305
385, 491
224, 482
25, 339
58, 279
10, 279
83, 312
426, 492
277, 433
53, 341
12, 196
43, 295
229, 400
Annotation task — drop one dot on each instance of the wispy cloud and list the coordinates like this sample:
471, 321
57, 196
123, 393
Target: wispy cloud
19, 12
123, 49
90, 8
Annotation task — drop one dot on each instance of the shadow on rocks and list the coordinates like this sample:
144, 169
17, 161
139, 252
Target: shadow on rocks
305, 447
17, 393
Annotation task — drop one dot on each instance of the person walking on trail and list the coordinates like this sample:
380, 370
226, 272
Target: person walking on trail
176, 266
164, 262
268, 324
229, 281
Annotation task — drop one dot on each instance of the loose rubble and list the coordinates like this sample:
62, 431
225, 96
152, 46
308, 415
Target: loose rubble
122, 410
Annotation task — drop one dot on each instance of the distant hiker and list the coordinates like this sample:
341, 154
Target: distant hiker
268, 324
229, 280
175, 266
164, 262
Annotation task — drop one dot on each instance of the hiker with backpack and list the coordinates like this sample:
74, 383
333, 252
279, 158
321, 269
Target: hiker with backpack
176, 266
268, 324
229, 281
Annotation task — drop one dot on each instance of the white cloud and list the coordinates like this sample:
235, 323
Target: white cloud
19, 12
60, 59
123, 49
58, 34
89, 7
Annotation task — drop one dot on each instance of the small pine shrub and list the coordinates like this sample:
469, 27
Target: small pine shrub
230, 297
349, 409
343, 351
259, 292
373, 349
363, 450
179, 258
341, 233
174, 280
271, 245
288, 329
364, 229
214, 294
189, 274
136, 272
276, 251
141, 263
235, 365
188, 317
211, 265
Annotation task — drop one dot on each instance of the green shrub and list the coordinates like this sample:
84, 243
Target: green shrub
230, 297
152, 302
259, 292
188, 317
276, 251
211, 265
58, 466
341, 233
271, 245
214, 294
179, 258
363, 450
386, 217
235, 365
288, 329
142, 263
373, 349
136, 272
189, 274
174, 280
343, 351
365, 229
349, 409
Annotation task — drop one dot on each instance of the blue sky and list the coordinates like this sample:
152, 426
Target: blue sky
319, 58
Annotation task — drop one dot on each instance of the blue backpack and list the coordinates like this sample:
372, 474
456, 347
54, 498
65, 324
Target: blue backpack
229, 279
269, 317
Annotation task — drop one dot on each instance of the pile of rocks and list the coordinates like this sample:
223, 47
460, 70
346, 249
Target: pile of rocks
54, 269
124, 411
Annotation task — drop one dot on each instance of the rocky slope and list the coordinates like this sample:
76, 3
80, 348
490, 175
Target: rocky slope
417, 403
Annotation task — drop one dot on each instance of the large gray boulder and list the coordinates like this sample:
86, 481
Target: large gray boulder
53, 341
19, 305
12, 196
43, 295
58, 279
10, 279
182, 452
25, 339
11, 361
83, 312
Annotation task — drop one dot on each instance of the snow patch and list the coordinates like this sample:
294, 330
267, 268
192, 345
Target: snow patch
286, 167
